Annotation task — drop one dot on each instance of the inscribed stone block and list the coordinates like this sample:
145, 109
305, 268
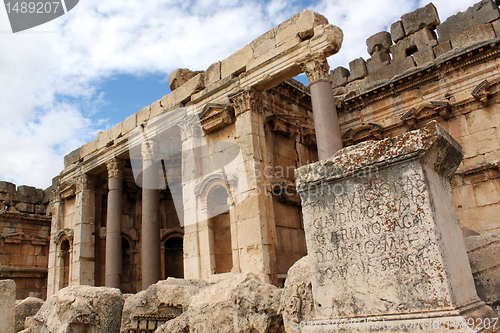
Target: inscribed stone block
382, 233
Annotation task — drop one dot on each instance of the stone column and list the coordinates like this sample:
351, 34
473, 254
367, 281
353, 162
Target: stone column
114, 224
151, 266
326, 123
7, 306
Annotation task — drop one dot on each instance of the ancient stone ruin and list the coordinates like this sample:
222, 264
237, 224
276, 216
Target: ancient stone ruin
186, 216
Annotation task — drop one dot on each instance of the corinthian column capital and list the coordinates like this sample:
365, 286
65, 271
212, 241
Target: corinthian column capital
316, 68
149, 150
115, 167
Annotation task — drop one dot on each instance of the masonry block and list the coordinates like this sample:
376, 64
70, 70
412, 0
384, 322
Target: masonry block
7, 306
496, 27
129, 124
72, 157
25, 207
425, 17
379, 60
26, 190
237, 62
6, 187
212, 74
397, 66
339, 76
397, 31
358, 69
143, 115
476, 34
179, 76
379, 42
482, 12
40, 209
195, 84
88, 148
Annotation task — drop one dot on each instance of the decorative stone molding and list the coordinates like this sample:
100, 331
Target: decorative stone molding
280, 125
316, 68
245, 100
481, 92
425, 111
85, 182
215, 116
149, 150
219, 177
115, 168
65, 233
66, 190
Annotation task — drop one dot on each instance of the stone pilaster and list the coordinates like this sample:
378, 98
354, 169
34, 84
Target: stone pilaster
151, 265
326, 122
114, 224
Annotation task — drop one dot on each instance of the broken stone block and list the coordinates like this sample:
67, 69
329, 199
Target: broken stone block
357, 69
25, 207
7, 306
143, 115
237, 62
379, 42
396, 67
130, 123
26, 308
40, 209
297, 303
179, 76
242, 303
397, 31
339, 76
160, 302
425, 17
418, 45
194, 85
6, 187
424, 56
379, 60
482, 12
212, 74
307, 21
496, 27
441, 49
381, 236
484, 258
473, 35
27, 190
80, 309
72, 157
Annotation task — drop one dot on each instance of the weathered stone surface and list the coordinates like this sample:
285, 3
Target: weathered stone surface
26, 308
496, 27
212, 74
236, 63
130, 123
397, 31
339, 76
473, 35
7, 306
441, 49
379, 42
297, 303
241, 303
143, 115
25, 207
484, 258
379, 60
425, 17
6, 187
89, 148
179, 76
26, 190
418, 45
80, 309
466, 232
482, 12
357, 69
161, 301
72, 157
407, 254
40, 209
184, 92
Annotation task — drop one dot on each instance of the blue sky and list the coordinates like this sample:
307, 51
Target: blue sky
64, 81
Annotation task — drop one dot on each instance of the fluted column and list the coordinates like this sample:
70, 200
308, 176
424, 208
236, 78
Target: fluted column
151, 266
114, 224
326, 123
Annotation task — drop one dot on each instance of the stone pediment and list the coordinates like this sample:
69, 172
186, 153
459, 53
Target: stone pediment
67, 190
16, 237
215, 116
425, 111
38, 240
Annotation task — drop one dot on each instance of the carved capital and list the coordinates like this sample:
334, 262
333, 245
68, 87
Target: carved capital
115, 167
85, 182
316, 68
149, 150
246, 100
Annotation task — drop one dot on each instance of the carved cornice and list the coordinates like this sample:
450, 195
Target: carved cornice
216, 116
65, 233
246, 100
316, 68
481, 92
115, 168
201, 188
85, 182
149, 150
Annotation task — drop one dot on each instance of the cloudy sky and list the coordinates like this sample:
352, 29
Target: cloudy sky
66, 80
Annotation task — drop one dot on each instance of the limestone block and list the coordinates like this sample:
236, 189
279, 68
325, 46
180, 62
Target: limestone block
397, 31
72, 157
184, 92
129, 124
339, 76
26, 190
212, 74
441, 49
423, 56
26, 308
115, 132
156, 109
484, 258
357, 69
179, 76
297, 303
167, 298
241, 303
308, 19
7, 306
483, 12
80, 309
379, 60
381, 230
143, 115
40, 209
89, 148
266, 46
25, 207
168, 101
379, 42
423, 17
237, 62
496, 27
6, 187
473, 35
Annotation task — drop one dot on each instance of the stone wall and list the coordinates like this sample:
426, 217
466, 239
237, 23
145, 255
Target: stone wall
415, 75
24, 238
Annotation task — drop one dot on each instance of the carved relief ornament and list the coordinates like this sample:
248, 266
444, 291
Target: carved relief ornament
315, 67
115, 168
149, 150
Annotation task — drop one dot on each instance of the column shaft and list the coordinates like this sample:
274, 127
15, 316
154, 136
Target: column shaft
114, 233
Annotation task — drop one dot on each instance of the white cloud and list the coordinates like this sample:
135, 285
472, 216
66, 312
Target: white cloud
100, 38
